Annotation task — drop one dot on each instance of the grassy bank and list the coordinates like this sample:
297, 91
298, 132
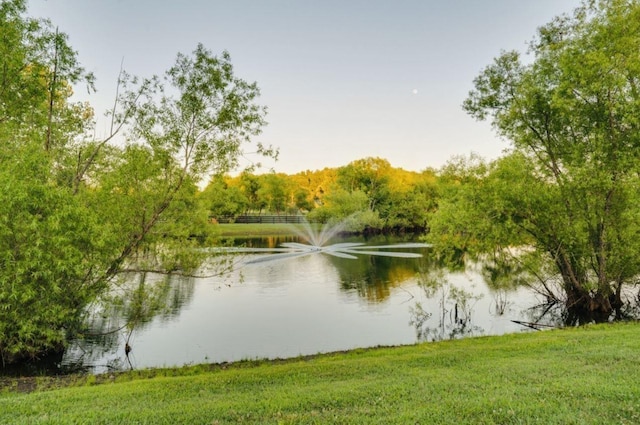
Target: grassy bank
255, 230
579, 376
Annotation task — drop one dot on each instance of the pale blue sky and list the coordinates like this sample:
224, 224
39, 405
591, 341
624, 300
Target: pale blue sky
338, 77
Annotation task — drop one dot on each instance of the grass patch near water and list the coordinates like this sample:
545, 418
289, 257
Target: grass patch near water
255, 230
586, 375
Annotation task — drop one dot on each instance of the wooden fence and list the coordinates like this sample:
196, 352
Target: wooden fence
263, 219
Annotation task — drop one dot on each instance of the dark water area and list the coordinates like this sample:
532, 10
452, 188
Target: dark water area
287, 308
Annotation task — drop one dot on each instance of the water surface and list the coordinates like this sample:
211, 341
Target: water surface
300, 306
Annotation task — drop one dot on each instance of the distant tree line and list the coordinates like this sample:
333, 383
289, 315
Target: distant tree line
369, 193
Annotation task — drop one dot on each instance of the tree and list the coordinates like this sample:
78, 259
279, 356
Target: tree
48, 244
370, 176
250, 187
273, 192
409, 209
47, 236
350, 208
37, 71
78, 214
222, 200
570, 188
301, 200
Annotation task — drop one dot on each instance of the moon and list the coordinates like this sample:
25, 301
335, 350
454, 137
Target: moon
414, 91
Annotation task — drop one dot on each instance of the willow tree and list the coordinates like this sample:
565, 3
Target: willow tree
77, 213
572, 114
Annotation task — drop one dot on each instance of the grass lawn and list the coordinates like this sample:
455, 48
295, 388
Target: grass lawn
588, 375
254, 230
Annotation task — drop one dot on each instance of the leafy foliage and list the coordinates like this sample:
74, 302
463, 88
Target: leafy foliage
570, 187
370, 193
78, 213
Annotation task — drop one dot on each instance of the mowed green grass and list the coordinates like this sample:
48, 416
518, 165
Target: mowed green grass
588, 375
255, 230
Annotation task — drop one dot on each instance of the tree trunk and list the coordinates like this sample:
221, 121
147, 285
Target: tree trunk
585, 307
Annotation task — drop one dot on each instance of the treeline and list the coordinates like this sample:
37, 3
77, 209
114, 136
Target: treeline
369, 193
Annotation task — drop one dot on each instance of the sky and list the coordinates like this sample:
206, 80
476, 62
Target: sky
342, 79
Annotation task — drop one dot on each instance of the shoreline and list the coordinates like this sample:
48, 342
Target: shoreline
571, 375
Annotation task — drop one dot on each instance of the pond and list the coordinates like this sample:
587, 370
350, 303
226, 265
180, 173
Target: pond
296, 306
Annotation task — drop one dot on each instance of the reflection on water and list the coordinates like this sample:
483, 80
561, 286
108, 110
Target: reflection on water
373, 278
141, 301
453, 317
292, 307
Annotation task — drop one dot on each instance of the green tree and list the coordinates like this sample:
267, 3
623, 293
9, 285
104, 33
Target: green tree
350, 208
250, 187
223, 200
273, 192
571, 187
371, 176
409, 209
48, 237
301, 199
78, 214
49, 242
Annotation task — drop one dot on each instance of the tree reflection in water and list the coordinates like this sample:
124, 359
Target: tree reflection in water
503, 274
113, 321
453, 317
327, 293
373, 277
